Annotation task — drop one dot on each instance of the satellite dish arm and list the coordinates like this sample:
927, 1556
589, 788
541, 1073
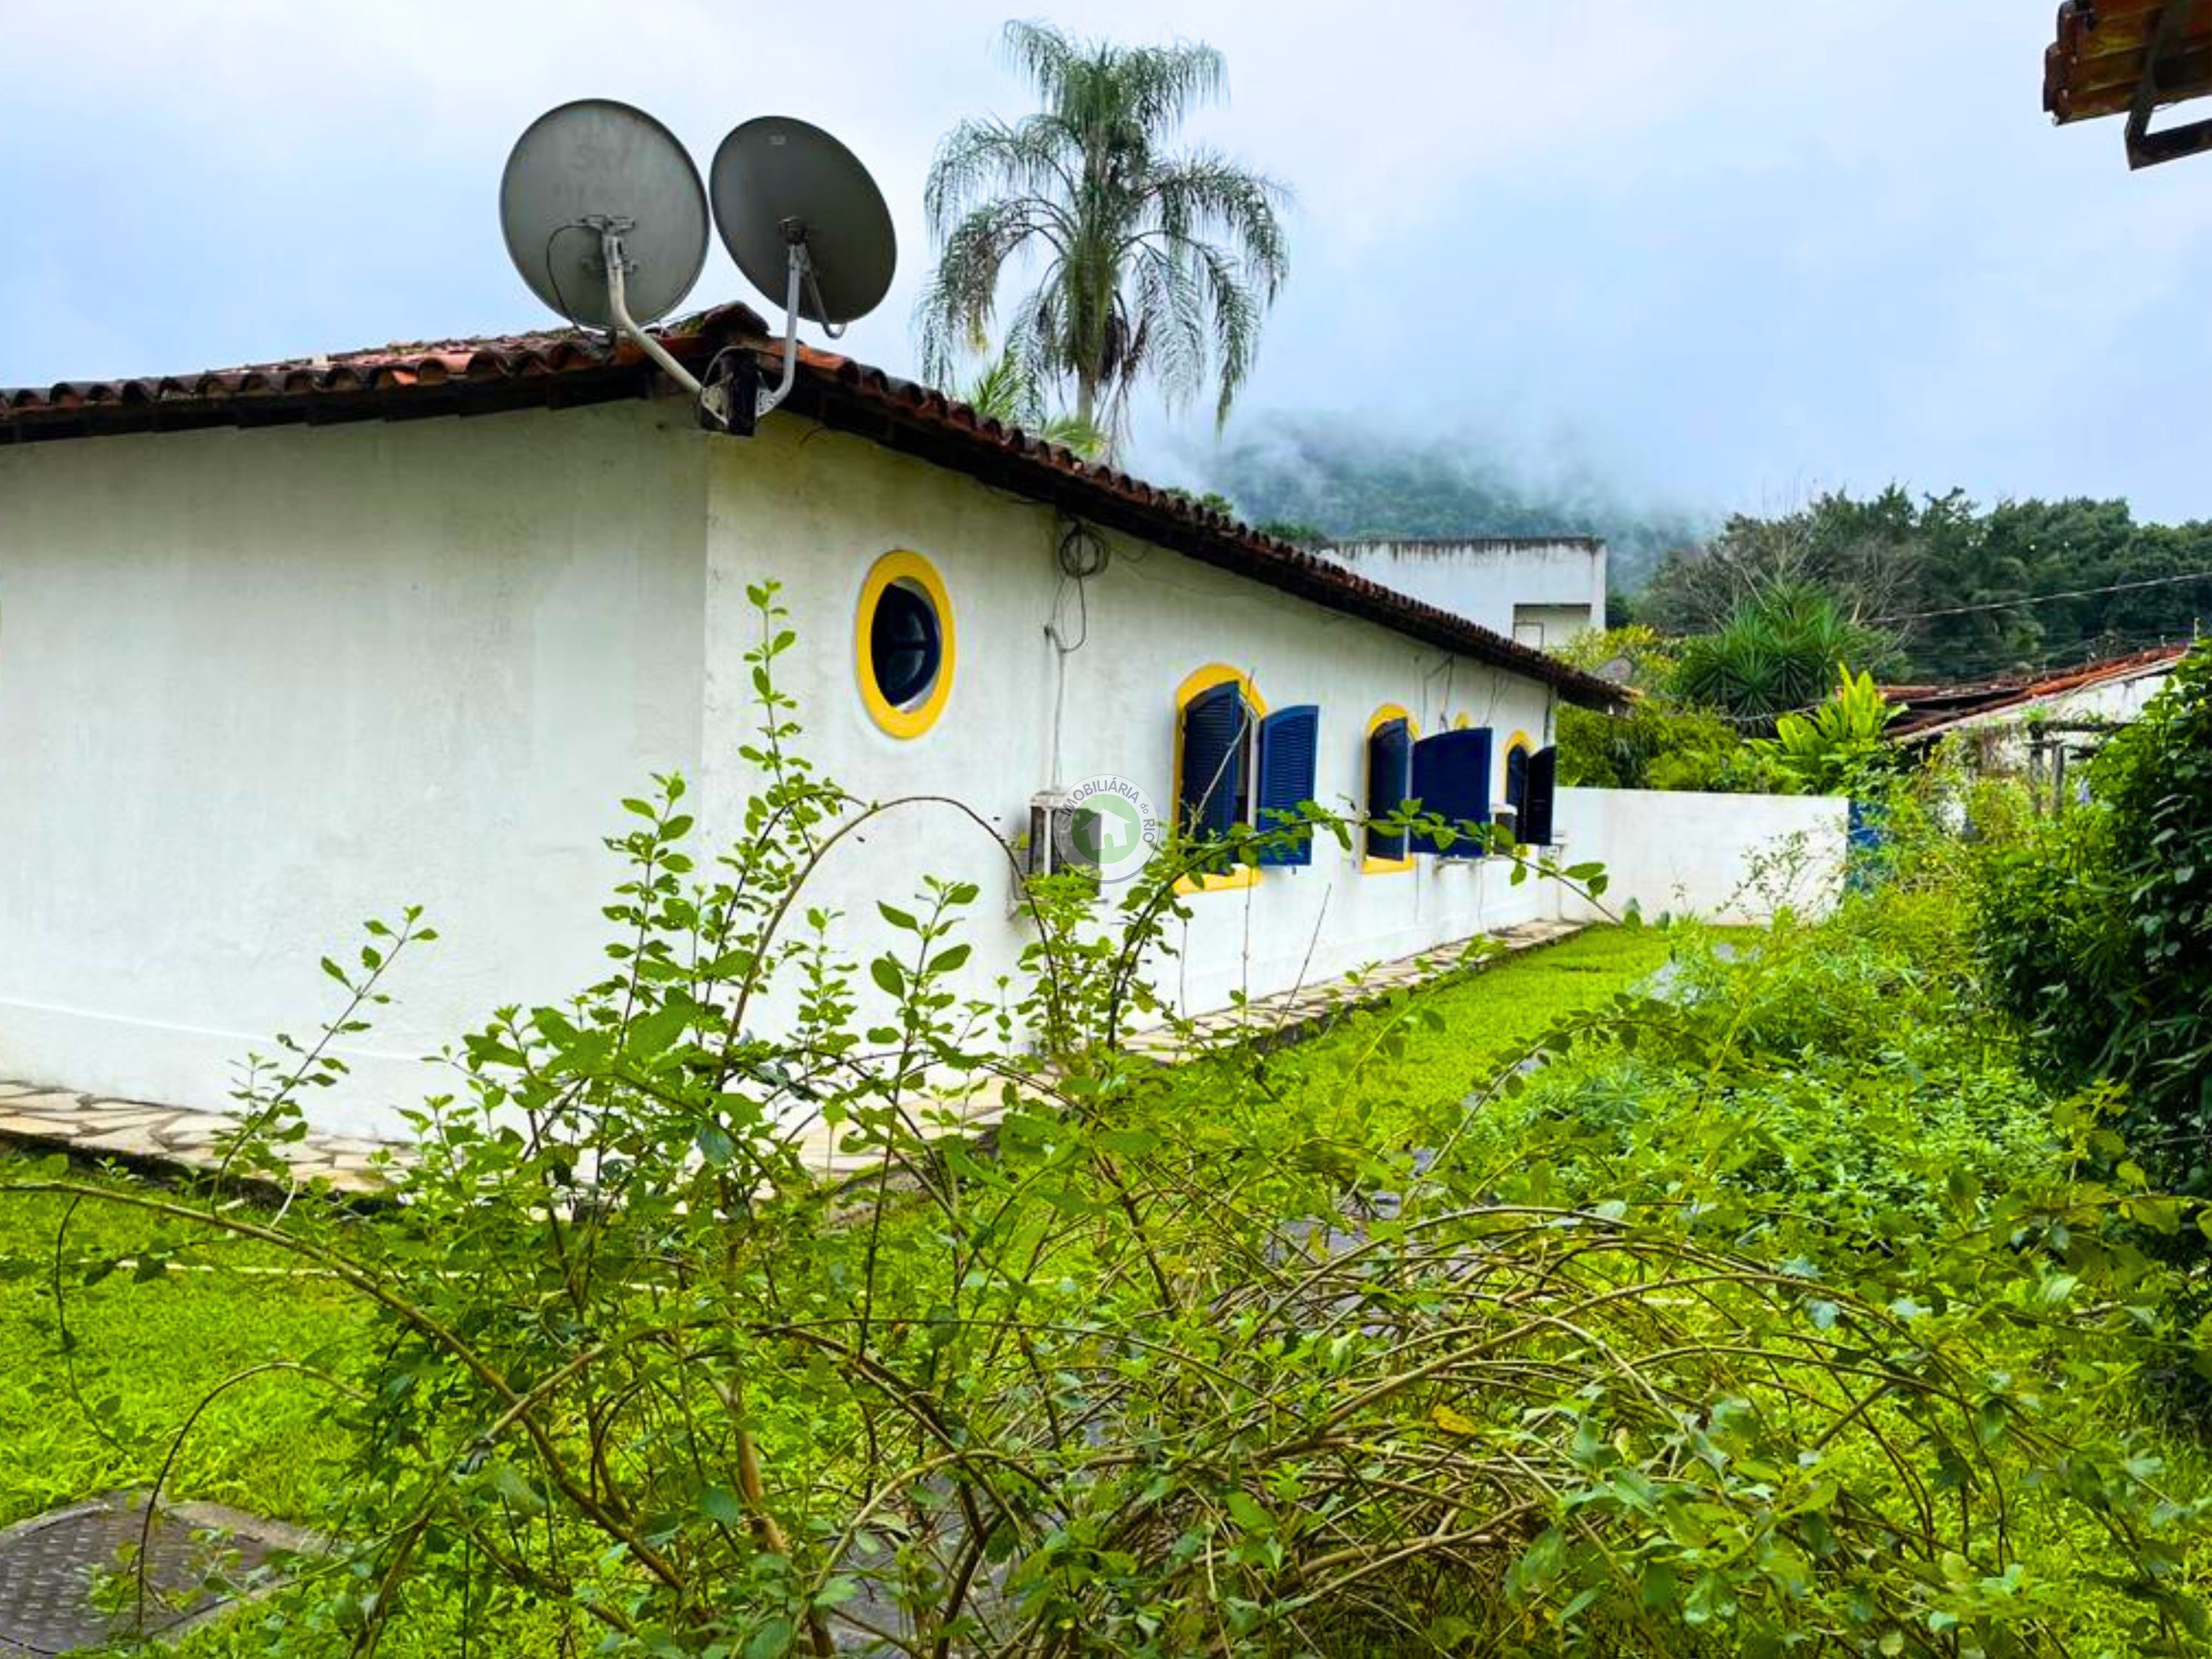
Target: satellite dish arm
610, 249
798, 272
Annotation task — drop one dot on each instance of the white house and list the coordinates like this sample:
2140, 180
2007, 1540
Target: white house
283, 648
2034, 725
1539, 589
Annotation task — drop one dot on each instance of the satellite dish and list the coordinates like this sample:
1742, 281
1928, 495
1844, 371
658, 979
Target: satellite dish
1618, 670
803, 219
595, 189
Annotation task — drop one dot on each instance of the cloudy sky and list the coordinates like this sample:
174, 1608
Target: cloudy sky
1725, 253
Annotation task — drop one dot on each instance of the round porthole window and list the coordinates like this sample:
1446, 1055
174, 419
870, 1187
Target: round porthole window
903, 644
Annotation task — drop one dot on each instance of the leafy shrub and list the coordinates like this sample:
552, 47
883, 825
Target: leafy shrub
1173, 1370
2098, 934
1659, 742
1838, 748
1778, 651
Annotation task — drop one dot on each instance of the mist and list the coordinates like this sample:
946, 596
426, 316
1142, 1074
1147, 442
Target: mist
1339, 473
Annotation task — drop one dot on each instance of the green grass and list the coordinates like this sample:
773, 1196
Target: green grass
146, 1352
1379, 1072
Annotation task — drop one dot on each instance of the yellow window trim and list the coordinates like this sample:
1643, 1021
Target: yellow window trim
902, 564
1206, 679
1527, 745
1382, 717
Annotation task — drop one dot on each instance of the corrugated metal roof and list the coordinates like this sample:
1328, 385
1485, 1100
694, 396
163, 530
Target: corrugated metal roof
1931, 710
554, 368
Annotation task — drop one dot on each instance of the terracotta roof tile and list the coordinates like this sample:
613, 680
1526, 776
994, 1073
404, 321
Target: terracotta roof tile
399, 380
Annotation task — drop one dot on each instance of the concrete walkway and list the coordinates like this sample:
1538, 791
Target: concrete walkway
149, 1136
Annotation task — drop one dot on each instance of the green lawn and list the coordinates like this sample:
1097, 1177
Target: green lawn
149, 1349
1372, 1076
148, 1352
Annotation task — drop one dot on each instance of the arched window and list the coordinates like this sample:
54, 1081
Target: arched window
1389, 782
1218, 715
1519, 750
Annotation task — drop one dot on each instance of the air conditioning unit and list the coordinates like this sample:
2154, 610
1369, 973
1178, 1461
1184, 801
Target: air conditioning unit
1054, 844
1056, 838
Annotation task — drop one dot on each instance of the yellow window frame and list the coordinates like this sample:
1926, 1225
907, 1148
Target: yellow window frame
1369, 864
903, 565
1202, 680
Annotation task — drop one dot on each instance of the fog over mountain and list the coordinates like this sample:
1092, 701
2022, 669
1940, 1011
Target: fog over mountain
1342, 475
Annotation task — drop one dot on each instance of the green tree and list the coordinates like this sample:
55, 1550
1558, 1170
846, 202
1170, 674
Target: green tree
1007, 393
2097, 936
1297, 531
1778, 651
1972, 593
1155, 264
1867, 554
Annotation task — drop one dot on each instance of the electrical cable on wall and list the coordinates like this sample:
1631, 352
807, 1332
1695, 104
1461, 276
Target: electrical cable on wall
1081, 553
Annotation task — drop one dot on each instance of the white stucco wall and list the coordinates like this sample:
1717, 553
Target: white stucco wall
2001, 741
1724, 858
1488, 579
256, 685
816, 509
1548, 627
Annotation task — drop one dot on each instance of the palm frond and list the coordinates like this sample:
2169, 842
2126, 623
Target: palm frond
1156, 267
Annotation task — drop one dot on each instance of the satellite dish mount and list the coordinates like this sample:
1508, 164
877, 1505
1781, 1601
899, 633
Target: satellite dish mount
796, 209
617, 268
798, 279
798, 212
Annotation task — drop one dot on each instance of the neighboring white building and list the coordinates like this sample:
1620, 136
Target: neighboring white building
287, 647
1539, 590
2034, 727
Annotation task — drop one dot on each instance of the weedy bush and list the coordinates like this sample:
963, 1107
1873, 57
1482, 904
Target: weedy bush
1164, 1371
1837, 748
2098, 933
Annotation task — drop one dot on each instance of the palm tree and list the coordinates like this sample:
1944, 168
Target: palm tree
1006, 391
1779, 650
1154, 262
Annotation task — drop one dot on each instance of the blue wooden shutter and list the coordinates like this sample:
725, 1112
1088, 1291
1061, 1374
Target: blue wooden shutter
1389, 773
1212, 760
1451, 778
1516, 785
1543, 786
1288, 739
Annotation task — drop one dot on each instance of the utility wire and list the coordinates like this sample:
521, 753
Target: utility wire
2045, 598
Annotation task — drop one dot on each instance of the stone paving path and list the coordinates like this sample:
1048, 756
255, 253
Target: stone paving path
146, 1135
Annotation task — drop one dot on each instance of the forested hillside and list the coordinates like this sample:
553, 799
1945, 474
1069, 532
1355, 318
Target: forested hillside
1969, 591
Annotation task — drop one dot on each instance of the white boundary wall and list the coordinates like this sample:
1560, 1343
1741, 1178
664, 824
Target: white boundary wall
1724, 858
